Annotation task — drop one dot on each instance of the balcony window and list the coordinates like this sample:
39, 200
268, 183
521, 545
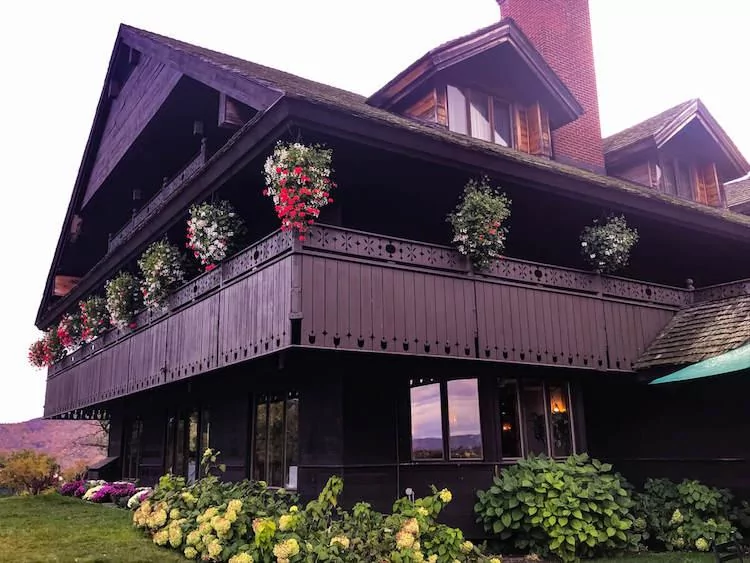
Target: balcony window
276, 440
535, 418
445, 422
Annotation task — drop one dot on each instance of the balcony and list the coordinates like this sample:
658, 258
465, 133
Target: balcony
350, 290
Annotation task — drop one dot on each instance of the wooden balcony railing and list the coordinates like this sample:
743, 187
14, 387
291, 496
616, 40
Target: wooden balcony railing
168, 190
345, 289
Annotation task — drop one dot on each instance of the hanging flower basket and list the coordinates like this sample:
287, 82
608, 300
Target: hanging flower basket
94, 317
480, 223
298, 179
69, 331
161, 272
38, 354
606, 244
47, 350
214, 232
124, 299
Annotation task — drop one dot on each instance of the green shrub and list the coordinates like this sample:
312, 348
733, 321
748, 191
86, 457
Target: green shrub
687, 516
247, 522
571, 509
26, 471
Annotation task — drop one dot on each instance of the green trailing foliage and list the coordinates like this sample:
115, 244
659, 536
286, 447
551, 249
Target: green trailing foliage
688, 516
570, 509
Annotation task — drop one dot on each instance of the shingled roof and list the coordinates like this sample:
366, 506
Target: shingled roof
738, 193
699, 332
646, 129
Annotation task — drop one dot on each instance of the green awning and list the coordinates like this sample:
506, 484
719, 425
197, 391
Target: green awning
734, 360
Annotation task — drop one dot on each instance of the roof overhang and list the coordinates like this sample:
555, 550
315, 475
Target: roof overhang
696, 112
504, 34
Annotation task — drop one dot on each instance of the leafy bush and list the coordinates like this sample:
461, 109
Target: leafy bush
26, 471
479, 223
247, 522
687, 516
572, 509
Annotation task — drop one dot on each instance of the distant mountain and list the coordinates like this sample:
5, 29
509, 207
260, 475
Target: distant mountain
462, 443
68, 441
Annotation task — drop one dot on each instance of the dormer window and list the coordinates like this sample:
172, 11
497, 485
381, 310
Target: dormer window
480, 115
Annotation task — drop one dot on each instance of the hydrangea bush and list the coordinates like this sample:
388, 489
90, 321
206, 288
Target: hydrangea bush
214, 232
480, 223
571, 509
162, 271
247, 522
298, 179
688, 516
124, 299
94, 317
606, 245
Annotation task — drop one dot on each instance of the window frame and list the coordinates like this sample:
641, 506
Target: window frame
267, 399
545, 383
491, 100
182, 416
445, 419
133, 428
674, 164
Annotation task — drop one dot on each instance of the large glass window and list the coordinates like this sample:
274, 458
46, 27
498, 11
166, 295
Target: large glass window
276, 440
132, 448
187, 438
457, 120
677, 178
431, 403
535, 418
426, 422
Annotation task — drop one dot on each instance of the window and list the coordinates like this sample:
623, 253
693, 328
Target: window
132, 449
480, 115
188, 435
276, 440
440, 409
677, 178
535, 419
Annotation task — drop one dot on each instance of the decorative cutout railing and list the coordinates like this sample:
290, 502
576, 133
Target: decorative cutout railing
722, 291
431, 256
159, 200
246, 261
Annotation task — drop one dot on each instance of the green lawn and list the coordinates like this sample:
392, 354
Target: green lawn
663, 558
66, 530
51, 528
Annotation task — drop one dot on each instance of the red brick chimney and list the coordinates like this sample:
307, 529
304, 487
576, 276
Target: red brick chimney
561, 32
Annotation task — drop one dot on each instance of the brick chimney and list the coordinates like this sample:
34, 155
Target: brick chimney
561, 32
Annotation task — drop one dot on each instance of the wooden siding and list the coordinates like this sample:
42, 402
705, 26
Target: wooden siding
517, 312
242, 306
344, 289
136, 104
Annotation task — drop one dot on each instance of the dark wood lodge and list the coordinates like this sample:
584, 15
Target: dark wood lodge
371, 349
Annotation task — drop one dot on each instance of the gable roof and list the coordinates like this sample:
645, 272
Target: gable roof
266, 89
699, 332
738, 193
659, 129
504, 32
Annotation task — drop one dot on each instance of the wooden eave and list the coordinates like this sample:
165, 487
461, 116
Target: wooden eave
255, 94
504, 32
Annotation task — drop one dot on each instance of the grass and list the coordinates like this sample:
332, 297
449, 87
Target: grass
52, 528
662, 558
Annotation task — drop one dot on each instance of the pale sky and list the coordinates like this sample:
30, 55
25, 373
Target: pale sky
650, 54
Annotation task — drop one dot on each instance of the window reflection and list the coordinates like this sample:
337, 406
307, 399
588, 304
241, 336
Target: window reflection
510, 423
532, 405
457, 111
276, 443
292, 442
426, 422
261, 433
192, 447
501, 118
479, 112
463, 419
560, 430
